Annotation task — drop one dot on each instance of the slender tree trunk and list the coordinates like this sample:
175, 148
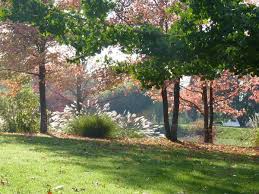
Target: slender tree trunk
242, 121
174, 126
79, 99
206, 112
42, 87
43, 102
211, 113
165, 112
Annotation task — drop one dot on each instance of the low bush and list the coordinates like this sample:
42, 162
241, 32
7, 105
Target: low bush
96, 126
130, 125
19, 113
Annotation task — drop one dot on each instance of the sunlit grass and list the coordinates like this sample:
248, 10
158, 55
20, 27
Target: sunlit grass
39, 164
235, 136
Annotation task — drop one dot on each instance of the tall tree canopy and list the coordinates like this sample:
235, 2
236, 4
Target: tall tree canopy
82, 28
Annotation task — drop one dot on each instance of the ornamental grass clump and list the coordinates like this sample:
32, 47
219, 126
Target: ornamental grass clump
95, 126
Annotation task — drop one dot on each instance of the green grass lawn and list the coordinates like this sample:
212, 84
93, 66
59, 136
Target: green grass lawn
235, 136
37, 164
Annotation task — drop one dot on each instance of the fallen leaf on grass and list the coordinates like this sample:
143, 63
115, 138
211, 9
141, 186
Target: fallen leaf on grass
3, 182
78, 189
60, 187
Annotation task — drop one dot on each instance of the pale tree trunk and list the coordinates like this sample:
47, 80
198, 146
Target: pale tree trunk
42, 90
206, 111
79, 98
211, 113
165, 112
176, 107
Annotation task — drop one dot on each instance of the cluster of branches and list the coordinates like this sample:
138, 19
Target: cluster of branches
211, 42
32, 32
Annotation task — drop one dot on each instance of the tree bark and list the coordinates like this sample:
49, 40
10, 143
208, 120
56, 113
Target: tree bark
206, 112
79, 99
176, 107
43, 102
242, 121
42, 88
211, 113
165, 112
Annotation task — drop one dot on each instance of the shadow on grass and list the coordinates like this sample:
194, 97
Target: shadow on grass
151, 167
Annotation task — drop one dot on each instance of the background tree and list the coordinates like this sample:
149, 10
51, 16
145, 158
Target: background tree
158, 64
226, 89
214, 41
228, 38
78, 29
46, 22
87, 34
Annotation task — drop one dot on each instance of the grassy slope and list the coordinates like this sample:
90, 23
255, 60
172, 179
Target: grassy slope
236, 136
33, 165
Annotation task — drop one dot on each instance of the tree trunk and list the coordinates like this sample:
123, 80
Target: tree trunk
42, 87
242, 120
165, 112
206, 112
211, 113
175, 110
43, 103
79, 99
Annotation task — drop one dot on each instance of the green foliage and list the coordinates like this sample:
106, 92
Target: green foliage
221, 35
48, 19
3, 14
162, 51
20, 113
93, 126
96, 8
87, 29
84, 29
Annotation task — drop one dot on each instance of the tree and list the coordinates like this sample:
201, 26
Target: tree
78, 29
63, 82
87, 34
47, 22
228, 32
159, 62
247, 99
217, 39
225, 90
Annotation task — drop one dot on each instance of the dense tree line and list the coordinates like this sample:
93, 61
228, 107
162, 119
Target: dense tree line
172, 39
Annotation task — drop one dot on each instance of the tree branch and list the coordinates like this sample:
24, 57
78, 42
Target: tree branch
192, 104
20, 71
190, 89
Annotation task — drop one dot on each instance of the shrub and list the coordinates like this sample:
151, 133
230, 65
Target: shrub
20, 113
253, 121
97, 126
130, 125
